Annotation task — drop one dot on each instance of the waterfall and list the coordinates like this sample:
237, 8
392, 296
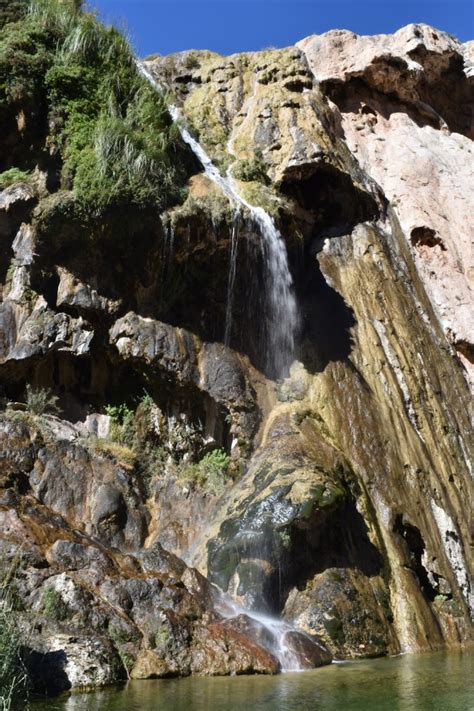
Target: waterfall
278, 633
282, 311
282, 324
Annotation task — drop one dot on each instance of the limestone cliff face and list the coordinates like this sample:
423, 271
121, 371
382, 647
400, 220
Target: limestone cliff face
379, 243
405, 103
346, 511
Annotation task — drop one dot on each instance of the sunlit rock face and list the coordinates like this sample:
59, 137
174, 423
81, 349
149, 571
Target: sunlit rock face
345, 510
405, 103
366, 145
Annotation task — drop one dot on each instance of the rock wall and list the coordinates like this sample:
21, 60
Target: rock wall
346, 508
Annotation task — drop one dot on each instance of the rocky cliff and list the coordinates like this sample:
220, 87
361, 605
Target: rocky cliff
331, 492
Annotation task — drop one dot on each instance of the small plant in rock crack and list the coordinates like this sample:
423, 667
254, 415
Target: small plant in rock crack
54, 606
210, 472
41, 400
122, 423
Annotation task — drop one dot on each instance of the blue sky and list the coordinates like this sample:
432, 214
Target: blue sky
227, 26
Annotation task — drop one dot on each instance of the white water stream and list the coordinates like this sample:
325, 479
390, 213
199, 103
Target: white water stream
282, 310
282, 326
276, 637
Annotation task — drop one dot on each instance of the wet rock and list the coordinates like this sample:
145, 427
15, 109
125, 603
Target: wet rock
310, 651
285, 509
223, 650
250, 627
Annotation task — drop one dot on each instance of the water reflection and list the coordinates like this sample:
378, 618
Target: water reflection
429, 682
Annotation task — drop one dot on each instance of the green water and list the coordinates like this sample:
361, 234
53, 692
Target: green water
428, 682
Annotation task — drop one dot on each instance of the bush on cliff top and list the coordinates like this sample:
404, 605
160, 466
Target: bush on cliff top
111, 129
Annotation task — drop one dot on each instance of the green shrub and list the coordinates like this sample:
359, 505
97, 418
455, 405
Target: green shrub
110, 127
13, 677
58, 16
54, 606
13, 175
162, 638
191, 62
122, 429
12, 11
40, 400
210, 472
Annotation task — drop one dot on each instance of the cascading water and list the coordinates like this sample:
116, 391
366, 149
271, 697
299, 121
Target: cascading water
282, 311
282, 326
277, 633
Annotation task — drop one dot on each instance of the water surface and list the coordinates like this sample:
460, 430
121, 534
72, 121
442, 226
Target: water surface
428, 682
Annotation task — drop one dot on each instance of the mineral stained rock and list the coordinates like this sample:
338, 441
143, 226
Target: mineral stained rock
336, 497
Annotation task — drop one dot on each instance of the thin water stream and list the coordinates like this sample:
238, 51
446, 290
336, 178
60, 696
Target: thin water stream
277, 637
283, 321
282, 309
282, 325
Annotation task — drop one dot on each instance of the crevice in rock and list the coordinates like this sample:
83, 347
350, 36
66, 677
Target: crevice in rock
88, 383
268, 561
442, 101
466, 349
415, 551
332, 205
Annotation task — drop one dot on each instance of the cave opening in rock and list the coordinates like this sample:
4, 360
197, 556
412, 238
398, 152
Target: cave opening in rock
338, 539
332, 205
326, 319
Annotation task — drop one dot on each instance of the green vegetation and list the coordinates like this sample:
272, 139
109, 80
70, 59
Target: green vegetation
122, 423
210, 472
12, 11
13, 175
334, 627
77, 78
40, 400
191, 62
144, 438
54, 606
161, 638
13, 676
251, 169
121, 638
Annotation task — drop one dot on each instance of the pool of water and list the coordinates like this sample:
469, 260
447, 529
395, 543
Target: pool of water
428, 682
